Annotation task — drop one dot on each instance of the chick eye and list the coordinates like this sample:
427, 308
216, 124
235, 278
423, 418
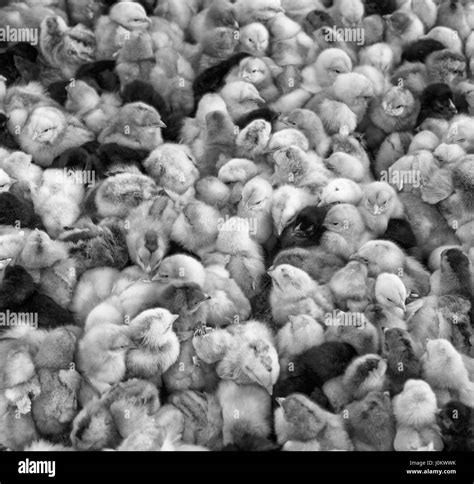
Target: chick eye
336, 189
335, 223
254, 71
251, 40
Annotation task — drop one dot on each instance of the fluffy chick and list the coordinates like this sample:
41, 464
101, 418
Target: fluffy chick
241, 98
294, 293
101, 355
345, 230
157, 344
341, 190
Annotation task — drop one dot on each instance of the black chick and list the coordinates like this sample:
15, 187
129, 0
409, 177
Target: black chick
456, 422
212, 79
400, 232
379, 7
306, 230
418, 51
437, 101
18, 212
6, 138
114, 157
317, 19
57, 91
80, 157
315, 367
18, 62
100, 75
18, 294
262, 113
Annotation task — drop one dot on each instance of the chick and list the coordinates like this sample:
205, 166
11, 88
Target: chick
300, 419
253, 406
110, 30
158, 345
437, 101
298, 335
172, 167
121, 193
287, 202
345, 230
255, 205
101, 355
402, 28
455, 422
453, 14
443, 368
384, 256
257, 11
365, 374
216, 45
219, 143
380, 56
86, 104
48, 132
218, 14
311, 126
137, 125
370, 423
379, 204
238, 170
402, 361
294, 293
241, 98
349, 287
196, 227
252, 141
415, 412
66, 48
341, 190
446, 66
245, 265
254, 39
56, 406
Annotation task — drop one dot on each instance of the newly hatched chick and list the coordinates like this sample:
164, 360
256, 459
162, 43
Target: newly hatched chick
101, 355
456, 423
172, 167
311, 126
380, 56
306, 228
294, 293
56, 406
216, 45
341, 190
48, 132
84, 101
345, 230
248, 11
443, 368
370, 423
119, 194
300, 419
453, 14
379, 204
238, 170
437, 101
365, 374
196, 227
415, 412
255, 205
254, 39
446, 66
241, 98
110, 30
402, 361
384, 256
350, 287
299, 334
157, 344
137, 125
260, 72
402, 28
253, 406
253, 139
246, 261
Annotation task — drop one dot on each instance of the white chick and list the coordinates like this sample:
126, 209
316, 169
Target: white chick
341, 190
246, 261
157, 344
256, 205
241, 97
254, 39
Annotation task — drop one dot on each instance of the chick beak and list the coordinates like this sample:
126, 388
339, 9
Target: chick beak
260, 101
281, 9
174, 317
236, 25
280, 401
132, 346
161, 124
269, 388
377, 210
452, 107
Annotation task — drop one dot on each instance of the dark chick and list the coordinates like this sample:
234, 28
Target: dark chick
437, 101
456, 422
17, 212
306, 230
418, 51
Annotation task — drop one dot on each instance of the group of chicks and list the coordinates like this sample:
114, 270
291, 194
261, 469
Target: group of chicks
232, 226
